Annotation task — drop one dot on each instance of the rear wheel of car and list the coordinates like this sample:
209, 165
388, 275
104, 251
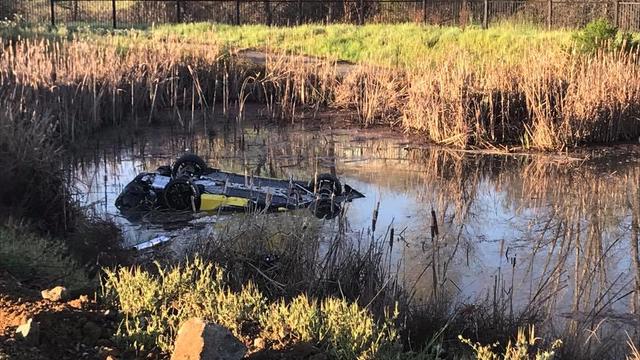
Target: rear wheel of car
188, 165
182, 195
326, 182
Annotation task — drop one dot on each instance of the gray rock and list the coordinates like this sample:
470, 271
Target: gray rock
319, 356
198, 340
30, 332
91, 333
58, 293
104, 342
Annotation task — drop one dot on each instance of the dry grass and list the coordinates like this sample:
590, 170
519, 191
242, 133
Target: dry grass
546, 101
292, 84
376, 93
85, 85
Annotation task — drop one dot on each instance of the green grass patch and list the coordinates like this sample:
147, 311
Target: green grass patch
389, 44
398, 44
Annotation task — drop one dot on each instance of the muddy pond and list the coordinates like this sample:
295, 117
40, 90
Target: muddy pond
559, 232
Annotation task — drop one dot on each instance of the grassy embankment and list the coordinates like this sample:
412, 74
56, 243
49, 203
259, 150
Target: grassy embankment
403, 45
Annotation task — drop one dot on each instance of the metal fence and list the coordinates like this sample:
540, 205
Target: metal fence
128, 13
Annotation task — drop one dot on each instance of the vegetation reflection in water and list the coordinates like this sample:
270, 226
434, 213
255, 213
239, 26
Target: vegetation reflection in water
548, 238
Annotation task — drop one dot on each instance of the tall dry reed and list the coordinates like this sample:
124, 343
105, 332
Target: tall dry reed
543, 102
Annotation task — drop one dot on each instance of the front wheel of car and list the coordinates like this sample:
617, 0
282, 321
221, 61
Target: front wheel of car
182, 195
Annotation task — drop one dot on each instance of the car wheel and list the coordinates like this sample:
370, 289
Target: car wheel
188, 165
181, 195
326, 182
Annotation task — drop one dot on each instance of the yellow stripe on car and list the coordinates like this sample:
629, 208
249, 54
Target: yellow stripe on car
210, 202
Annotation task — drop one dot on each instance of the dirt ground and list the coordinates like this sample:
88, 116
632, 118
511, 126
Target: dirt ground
75, 329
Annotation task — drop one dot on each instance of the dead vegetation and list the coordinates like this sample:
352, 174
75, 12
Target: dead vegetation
545, 101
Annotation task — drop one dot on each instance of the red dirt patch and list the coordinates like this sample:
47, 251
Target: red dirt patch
77, 329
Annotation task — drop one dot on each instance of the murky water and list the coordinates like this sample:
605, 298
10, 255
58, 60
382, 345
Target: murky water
522, 231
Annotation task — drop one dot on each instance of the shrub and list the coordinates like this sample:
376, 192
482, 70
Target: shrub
39, 261
296, 321
595, 35
601, 34
154, 306
352, 332
525, 347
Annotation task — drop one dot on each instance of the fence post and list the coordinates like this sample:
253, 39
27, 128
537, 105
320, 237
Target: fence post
178, 12
485, 14
237, 12
113, 14
424, 11
549, 14
53, 13
361, 12
616, 15
75, 10
267, 10
299, 22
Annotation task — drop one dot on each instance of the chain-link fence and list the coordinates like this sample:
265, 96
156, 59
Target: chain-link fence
127, 13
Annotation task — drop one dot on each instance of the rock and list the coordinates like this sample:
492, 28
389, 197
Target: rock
259, 343
104, 343
105, 352
79, 303
91, 333
319, 356
198, 340
303, 351
58, 293
30, 332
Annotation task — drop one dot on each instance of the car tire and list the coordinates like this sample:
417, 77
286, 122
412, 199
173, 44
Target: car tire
326, 179
188, 165
181, 195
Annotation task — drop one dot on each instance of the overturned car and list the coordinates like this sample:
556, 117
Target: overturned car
190, 185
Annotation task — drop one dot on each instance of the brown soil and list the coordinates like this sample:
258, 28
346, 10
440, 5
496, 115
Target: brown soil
65, 327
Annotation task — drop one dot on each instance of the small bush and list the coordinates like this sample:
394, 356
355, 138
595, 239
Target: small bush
38, 261
297, 321
595, 35
351, 331
155, 305
526, 346
601, 34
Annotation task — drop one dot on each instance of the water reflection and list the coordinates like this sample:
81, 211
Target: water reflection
521, 232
